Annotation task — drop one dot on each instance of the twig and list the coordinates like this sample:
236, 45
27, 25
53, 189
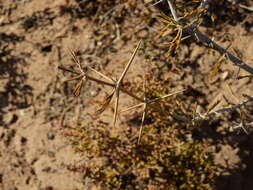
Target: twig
225, 109
233, 107
145, 103
203, 4
119, 83
154, 4
116, 84
144, 108
242, 125
192, 30
244, 76
101, 82
173, 10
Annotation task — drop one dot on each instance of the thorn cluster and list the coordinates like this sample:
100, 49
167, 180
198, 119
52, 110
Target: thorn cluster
83, 75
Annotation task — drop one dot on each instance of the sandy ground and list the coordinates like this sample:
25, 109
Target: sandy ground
34, 41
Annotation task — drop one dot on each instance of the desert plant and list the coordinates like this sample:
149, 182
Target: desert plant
191, 27
116, 157
165, 159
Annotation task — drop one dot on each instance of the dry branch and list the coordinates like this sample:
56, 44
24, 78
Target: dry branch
193, 31
224, 109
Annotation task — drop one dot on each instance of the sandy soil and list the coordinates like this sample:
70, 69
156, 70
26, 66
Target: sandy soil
34, 104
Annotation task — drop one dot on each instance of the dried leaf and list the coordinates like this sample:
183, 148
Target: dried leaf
174, 44
78, 87
166, 19
216, 67
165, 31
172, 49
213, 105
218, 64
232, 93
194, 12
105, 103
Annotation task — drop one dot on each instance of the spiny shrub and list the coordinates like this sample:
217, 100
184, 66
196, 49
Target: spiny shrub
166, 158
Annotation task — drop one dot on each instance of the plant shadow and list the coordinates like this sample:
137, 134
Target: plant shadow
14, 93
237, 167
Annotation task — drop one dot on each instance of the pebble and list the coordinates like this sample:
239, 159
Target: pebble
50, 135
94, 92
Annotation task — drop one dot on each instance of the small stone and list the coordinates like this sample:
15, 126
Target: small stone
94, 92
224, 75
51, 154
99, 43
50, 136
23, 140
